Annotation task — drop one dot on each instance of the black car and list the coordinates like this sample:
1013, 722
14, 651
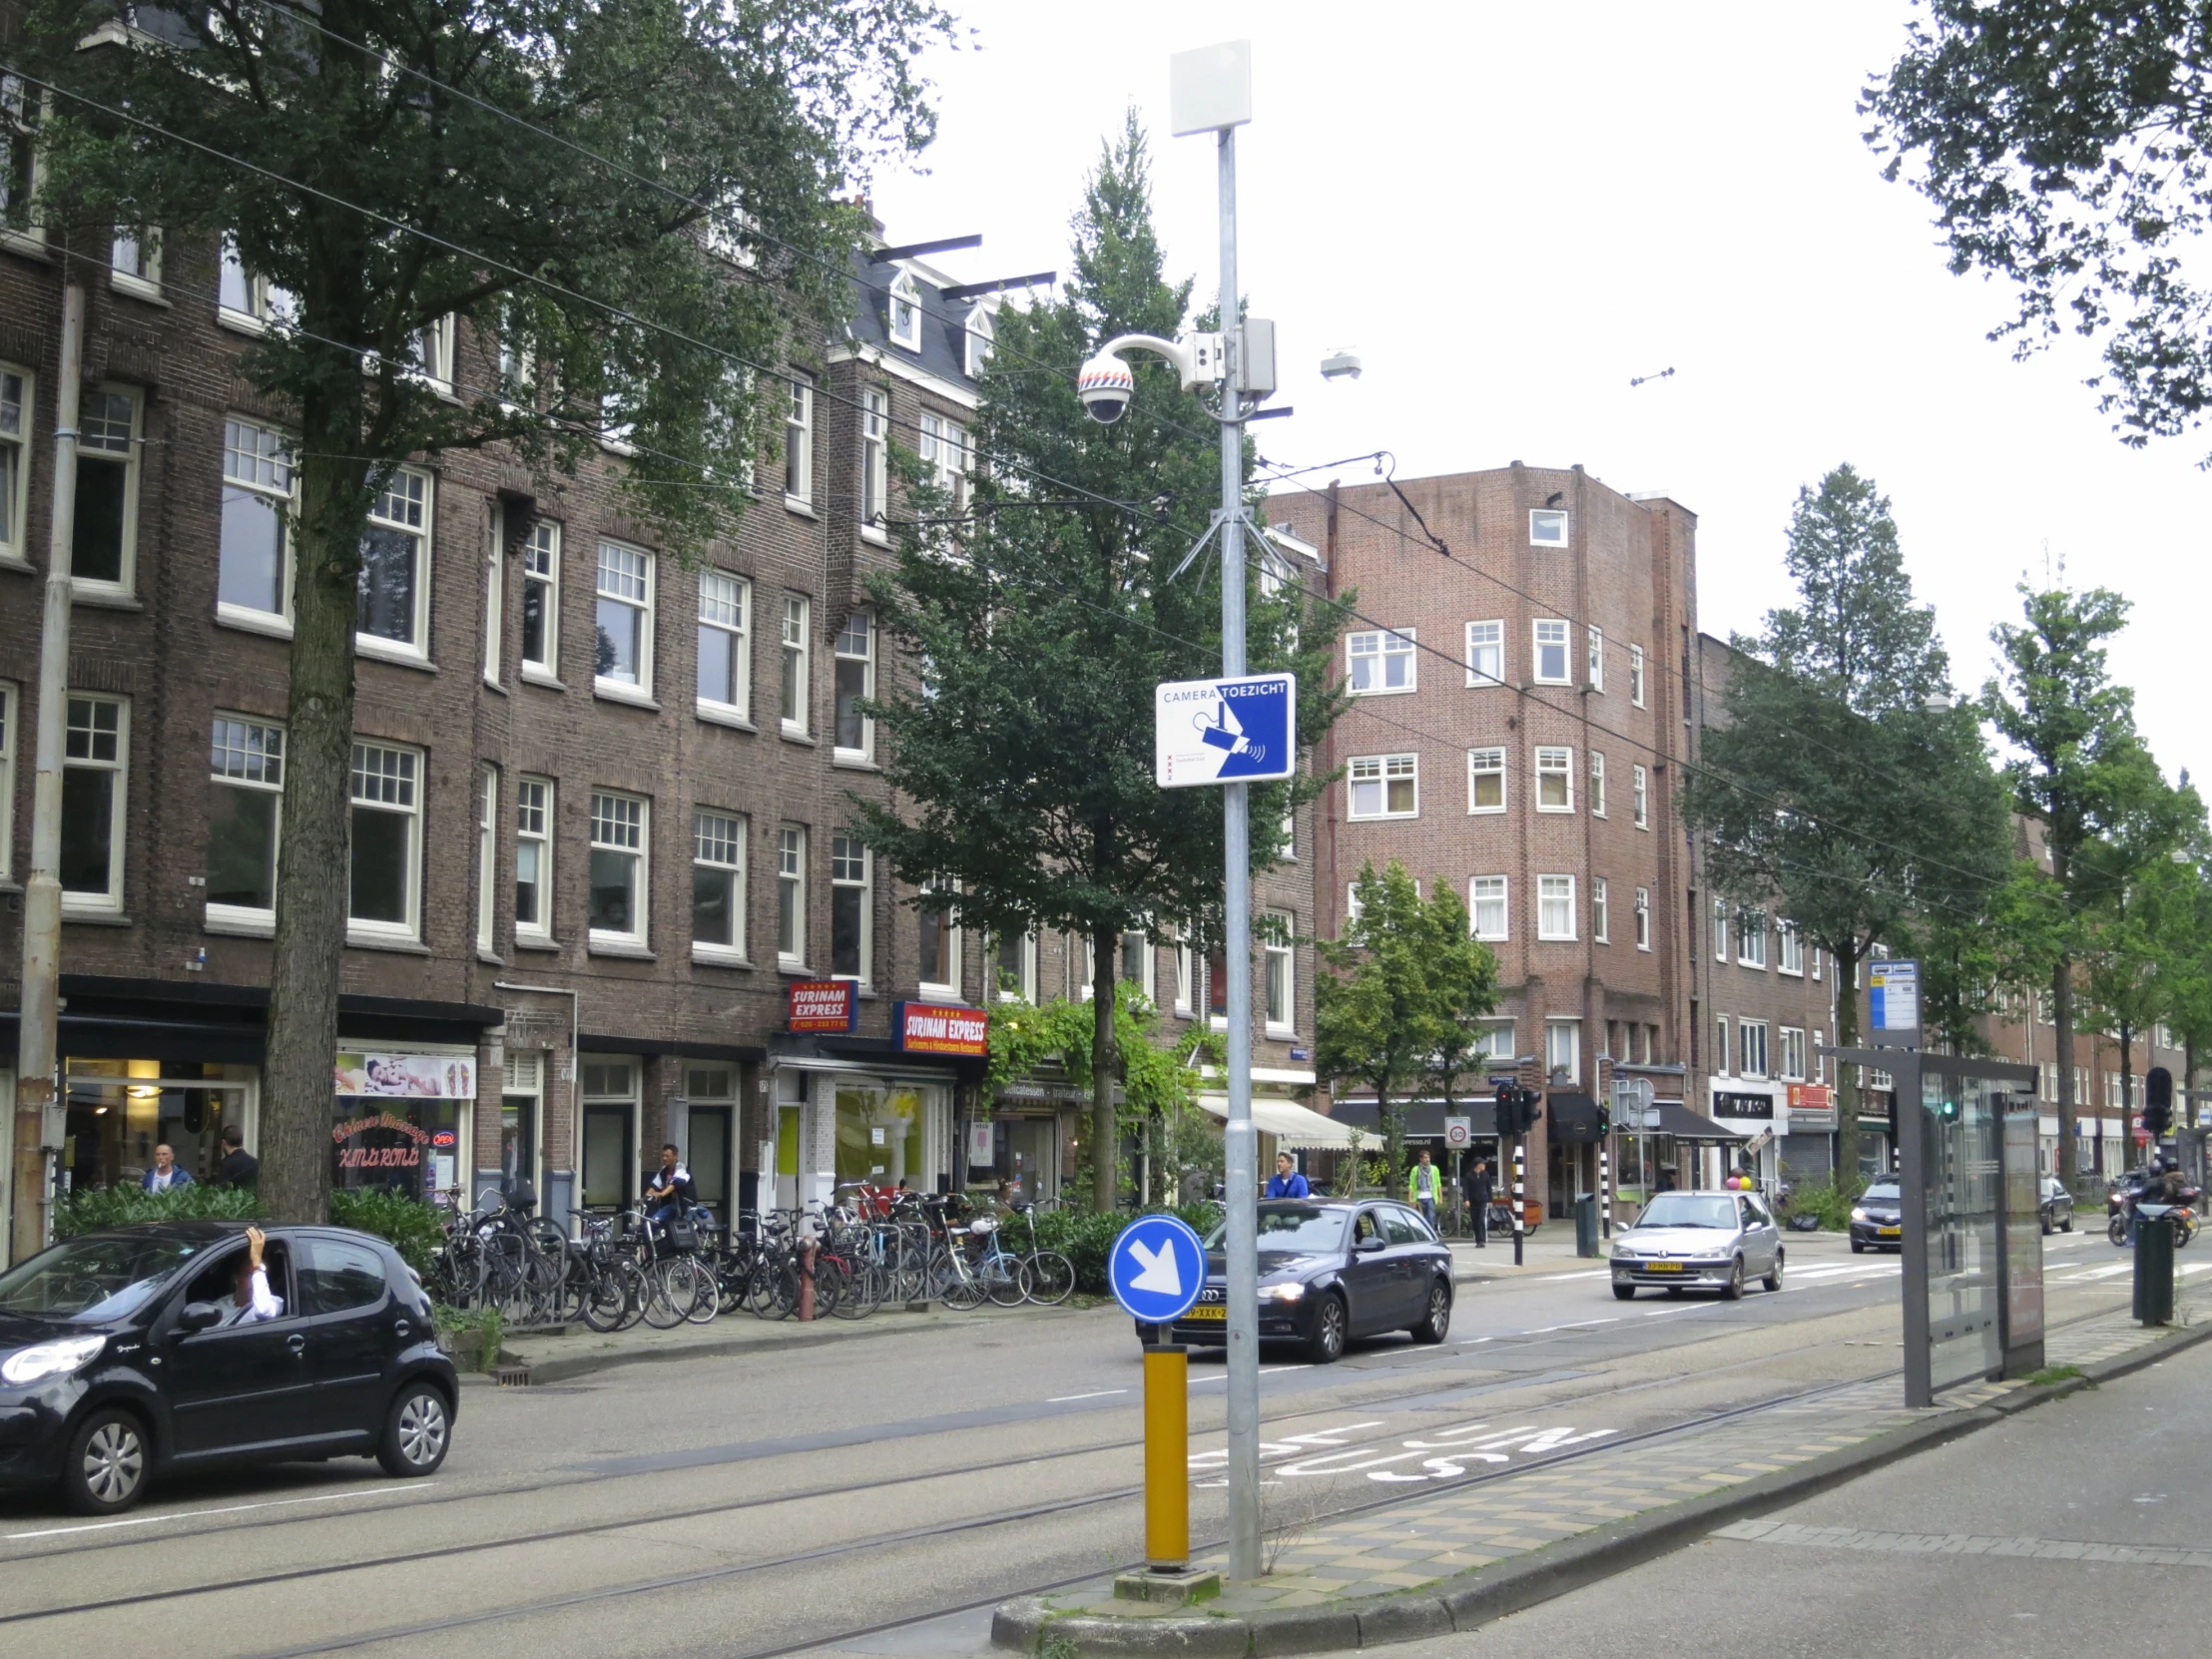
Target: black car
121, 1358
2058, 1206
1878, 1218
1329, 1271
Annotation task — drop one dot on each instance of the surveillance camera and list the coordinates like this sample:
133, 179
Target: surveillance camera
1105, 385
1341, 365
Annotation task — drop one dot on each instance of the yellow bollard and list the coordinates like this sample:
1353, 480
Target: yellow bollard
1167, 1479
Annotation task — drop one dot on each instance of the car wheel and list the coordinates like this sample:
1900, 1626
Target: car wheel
417, 1433
1327, 1345
1733, 1290
1624, 1293
1773, 1281
1438, 1325
2047, 1229
107, 1466
1858, 1248
2066, 1226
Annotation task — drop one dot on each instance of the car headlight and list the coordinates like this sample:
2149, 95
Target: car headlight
30, 1365
1281, 1293
1622, 1248
1859, 1214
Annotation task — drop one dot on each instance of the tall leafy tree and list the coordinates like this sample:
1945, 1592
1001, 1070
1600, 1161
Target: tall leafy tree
1840, 787
2080, 768
1022, 755
532, 169
2067, 146
1398, 1006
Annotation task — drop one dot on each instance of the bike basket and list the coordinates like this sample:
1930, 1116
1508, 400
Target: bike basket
683, 1235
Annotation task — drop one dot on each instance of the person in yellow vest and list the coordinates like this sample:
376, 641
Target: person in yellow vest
1423, 1186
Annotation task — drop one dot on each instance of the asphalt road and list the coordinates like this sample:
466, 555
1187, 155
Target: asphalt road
870, 1496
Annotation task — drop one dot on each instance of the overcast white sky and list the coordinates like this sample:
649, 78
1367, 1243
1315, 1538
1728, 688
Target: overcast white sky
1508, 210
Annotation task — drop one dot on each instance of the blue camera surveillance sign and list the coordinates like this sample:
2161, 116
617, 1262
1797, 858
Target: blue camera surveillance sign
1242, 731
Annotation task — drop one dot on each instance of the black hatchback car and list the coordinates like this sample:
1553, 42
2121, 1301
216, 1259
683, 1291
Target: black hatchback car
1331, 1270
125, 1355
1878, 1220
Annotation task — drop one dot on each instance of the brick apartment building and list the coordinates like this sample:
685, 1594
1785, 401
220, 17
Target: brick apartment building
1521, 706
600, 793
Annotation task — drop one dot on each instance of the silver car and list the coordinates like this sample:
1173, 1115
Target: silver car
1713, 1241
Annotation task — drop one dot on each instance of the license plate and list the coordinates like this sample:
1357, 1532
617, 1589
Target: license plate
1888, 1232
1663, 1266
1214, 1312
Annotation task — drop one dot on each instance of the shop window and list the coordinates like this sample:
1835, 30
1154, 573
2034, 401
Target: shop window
245, 805
881, 1137
718, 887
534, 858
387, 852
855, 683
103, 547
623, 621
852, 910
118, 1111
791, 896
254, 568
617, 869
541, 601
96, 759
725, 645
394, 612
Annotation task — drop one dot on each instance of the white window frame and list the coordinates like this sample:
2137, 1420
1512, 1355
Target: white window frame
876, 466
863, 659
1494, 1042
726, 608
631, 585
1547, 527
1601, 918
719, 843
1751, 937
845, 847
790, 895
979, 336
1636, 676
1597, 658
1025, 975
435, 345
390, 512
1378, 653
488, 798
18, 415
949, 985
1565, 1033
1489, 907
1789, 1053
1486, 640
1753, 1057
256, 461
135, 262
541, 568
250, 759
23, 174
396, 788
1597, 784
795, 689
1555, 762
1278, 944
1379, 772
1554, 895
941, 446
97, 444
1643, 919
11, 716
1789, 951
1186, 974
267, 306
1551, 634
902, 313
1723, 1056
1720, 929
534, 822
495, 589
1640, 796
1486, 763
624, 833
799, 443
80, 753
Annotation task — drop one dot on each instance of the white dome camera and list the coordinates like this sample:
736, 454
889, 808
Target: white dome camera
1105, 385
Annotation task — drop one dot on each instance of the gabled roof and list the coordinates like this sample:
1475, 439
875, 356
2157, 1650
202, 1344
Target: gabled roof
943, 325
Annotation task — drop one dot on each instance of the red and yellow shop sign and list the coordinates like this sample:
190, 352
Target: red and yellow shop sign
824, 1005
933, 1028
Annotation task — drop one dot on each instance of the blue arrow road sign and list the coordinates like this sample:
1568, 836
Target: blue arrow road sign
1157, 1268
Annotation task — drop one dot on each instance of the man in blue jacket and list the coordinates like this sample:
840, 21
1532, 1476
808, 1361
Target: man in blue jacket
164, 1174
1285, 1182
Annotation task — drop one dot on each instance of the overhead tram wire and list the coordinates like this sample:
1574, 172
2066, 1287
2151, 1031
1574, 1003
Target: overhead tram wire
621, 315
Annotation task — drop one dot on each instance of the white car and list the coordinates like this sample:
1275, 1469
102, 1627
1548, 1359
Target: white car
1711, 1241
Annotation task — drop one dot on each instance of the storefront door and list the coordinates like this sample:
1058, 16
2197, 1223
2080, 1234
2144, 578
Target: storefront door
608, 1166
707, 1157
1033, 1157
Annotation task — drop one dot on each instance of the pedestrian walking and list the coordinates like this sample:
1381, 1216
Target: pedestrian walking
1424, 1185
1481, 1189
1285, 1182
238, 1167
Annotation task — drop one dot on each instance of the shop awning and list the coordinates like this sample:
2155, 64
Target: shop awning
1424, 1119
1572, 1120
1683, 1124
1296, 1125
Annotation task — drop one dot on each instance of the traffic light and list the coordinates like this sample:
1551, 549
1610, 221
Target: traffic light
1517, 1108
2158, 1102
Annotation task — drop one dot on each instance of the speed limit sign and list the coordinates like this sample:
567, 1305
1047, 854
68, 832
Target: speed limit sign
1458, 1131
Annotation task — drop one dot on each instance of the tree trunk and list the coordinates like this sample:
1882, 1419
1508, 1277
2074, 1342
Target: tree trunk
1105, 1060
1848, 1076
2061, 1007
313, 886
1393, 1121
2127, 1078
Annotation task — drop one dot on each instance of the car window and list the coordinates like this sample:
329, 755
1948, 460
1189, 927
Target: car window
339, 1275
1366, 1227
1402, 1227
218, 1281
1758, 1208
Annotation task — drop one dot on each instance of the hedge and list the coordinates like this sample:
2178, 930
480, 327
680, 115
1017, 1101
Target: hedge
412, 1229
1086, 1238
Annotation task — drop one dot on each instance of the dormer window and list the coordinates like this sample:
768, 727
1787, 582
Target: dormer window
905, 312
982, 335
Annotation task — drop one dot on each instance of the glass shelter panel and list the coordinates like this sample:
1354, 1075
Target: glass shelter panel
1961, 1130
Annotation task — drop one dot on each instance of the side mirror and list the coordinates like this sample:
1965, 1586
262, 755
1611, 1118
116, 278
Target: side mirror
1368, 1246
198, 1316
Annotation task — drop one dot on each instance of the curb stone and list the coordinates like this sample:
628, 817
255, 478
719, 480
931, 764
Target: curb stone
1476, 1598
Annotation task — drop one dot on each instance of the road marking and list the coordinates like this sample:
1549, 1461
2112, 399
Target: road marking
1469, 1341
1578, 1324
1096, 1393
226, 1510
1558, 1277
1962, 1543
1264, 1371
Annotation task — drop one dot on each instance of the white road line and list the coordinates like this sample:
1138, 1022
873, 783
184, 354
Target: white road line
1578, 1324
1095, 1393
1558, 1277
1469, 1341
228, 1509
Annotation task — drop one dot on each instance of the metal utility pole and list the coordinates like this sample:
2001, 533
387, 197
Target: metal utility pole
38, 1120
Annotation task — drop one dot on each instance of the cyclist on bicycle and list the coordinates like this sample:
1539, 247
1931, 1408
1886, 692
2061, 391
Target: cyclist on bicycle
670, 1191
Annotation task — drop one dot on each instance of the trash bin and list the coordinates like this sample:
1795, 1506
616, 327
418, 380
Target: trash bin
2154, 1271
1586, 1228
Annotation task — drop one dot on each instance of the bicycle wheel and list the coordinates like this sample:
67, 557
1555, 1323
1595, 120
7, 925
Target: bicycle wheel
832, 1285
862, 1291
541, 1289
707, 1294
1004, 1280
1051, 1277
957, 1286
611, 1293
668, 1289
773, 1290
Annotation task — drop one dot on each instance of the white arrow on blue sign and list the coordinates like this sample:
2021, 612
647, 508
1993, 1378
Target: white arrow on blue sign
1157, 1268
1225, 731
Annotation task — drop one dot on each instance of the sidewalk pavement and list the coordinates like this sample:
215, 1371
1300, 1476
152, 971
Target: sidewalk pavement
1398, 1570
